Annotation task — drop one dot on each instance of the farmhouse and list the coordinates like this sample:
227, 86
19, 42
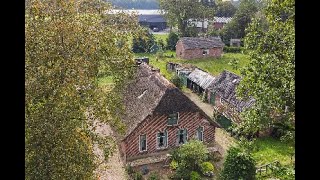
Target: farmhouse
222, 93
159, 116
199, 47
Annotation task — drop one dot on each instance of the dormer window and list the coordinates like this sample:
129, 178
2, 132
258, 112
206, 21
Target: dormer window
173, 119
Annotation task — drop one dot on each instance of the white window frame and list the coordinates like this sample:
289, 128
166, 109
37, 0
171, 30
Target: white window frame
164, 147
202, 133
177, 120
140, 143
206, 52
186, 136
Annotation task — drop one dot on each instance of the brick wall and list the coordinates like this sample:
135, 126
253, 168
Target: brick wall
196, 53
218, 25
158, 123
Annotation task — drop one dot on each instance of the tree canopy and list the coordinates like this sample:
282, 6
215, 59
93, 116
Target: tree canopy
66, 42
178, 12
270, 75
242, 17
135, 4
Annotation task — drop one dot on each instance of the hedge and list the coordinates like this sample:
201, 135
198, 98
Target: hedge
228, 49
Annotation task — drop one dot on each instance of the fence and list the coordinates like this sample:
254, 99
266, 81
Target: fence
270, 166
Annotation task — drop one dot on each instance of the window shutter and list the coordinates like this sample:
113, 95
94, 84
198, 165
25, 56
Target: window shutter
158, 139
165, 138
178, 136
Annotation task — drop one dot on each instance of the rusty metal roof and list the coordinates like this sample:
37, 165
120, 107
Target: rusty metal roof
202, 78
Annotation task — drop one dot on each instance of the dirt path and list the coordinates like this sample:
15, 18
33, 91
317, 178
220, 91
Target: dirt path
222, 139
113, 168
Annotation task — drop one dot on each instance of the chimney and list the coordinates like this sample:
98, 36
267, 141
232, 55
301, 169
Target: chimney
155, 69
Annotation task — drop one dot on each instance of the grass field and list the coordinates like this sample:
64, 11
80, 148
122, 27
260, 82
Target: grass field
212, 65
161, 36
269, 150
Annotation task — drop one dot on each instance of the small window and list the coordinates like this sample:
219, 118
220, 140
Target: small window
182, 136
162, 140
205, 52
142, 143
200, 133
173, 119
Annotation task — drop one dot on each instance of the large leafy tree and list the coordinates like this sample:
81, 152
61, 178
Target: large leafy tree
270, 75
236, 27
66, 42
178, 12
225, 9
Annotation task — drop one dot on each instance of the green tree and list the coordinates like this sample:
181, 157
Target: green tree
177, 81
238, 165
172, 41
236, 27
178, 12
65, 44
225, 9
189, 157
143, 42
270, 75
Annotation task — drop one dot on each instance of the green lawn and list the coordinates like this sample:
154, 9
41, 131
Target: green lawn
269, 150
213, 65
105, 80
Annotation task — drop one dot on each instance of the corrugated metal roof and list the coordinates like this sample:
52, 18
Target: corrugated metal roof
203, 79
222, 19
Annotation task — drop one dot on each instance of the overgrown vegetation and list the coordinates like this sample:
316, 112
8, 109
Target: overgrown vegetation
177, 81
239, 164
191, 159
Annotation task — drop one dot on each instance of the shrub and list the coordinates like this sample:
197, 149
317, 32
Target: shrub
172, 41
207, 167
233, 49
154, 176
204, 97
161, 44
238, 165
129, 169
173, 165
177, 81
189, 158
283, 172
137, 176
143, 43
194, 176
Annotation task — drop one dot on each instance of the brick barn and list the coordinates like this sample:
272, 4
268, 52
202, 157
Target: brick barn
199, 47
220, 22
159, 116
